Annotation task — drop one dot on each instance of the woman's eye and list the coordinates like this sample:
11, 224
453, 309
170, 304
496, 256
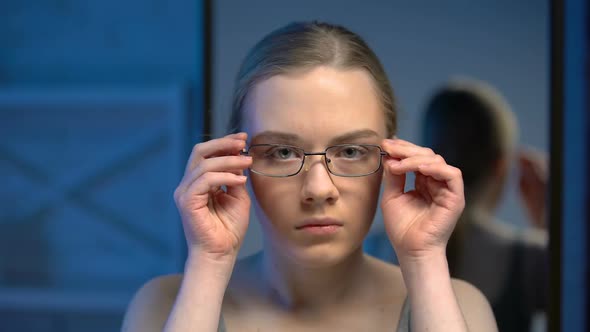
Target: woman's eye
351, 152
282, 153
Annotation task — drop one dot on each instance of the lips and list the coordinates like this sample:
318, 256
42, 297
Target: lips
319, 222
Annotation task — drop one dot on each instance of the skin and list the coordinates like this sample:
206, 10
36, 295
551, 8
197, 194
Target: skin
532, 183
301, 282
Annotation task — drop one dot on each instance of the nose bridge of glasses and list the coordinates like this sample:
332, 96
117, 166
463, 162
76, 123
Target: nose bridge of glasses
309, 155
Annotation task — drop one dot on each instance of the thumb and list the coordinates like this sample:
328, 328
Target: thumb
239, 191
394, 184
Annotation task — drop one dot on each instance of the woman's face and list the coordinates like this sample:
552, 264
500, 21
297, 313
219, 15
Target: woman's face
314, 110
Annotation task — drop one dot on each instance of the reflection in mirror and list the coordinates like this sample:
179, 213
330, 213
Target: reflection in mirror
471, 126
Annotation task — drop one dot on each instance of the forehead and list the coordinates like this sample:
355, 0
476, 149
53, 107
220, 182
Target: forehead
315, 105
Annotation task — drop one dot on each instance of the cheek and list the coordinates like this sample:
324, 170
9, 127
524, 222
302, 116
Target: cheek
279, 198
273, 196
363, 198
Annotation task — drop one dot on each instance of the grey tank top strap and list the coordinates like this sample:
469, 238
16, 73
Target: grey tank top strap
221, 326
404, 319
402, 326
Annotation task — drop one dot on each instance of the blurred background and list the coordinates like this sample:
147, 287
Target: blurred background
101, 102
97, 114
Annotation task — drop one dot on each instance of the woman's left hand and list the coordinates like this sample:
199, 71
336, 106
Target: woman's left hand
419, 222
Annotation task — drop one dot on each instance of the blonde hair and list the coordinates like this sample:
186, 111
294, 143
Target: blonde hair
303, 46
471, 125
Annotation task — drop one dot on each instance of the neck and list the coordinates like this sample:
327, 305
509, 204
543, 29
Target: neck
486, 197
297, 287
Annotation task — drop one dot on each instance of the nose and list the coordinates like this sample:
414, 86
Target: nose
318, 187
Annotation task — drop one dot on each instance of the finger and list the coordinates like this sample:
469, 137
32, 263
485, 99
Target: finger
241, 135
230, 144
439, 192
532, 179
393, 184
533, 159
402, 149
211, 180
445, 173
400, 141
528, 152
238, 191
217, 147
412, 163
421, 187
230, 164
527, 164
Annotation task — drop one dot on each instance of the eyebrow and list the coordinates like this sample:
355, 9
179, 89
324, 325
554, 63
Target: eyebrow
282, 137
354, 135
276, 136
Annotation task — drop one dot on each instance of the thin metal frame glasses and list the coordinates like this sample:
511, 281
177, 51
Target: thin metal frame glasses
331, 156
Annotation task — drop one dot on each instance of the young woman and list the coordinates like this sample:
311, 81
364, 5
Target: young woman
316, 126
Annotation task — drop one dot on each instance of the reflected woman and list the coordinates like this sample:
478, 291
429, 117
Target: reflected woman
470, 124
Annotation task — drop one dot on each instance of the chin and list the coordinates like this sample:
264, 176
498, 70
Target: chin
320, 255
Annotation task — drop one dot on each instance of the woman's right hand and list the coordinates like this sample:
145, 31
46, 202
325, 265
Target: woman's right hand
215, 220
533, 185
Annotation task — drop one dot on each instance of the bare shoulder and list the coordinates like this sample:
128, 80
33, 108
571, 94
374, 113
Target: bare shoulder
475, 307
150, 307
388, 277
535, 238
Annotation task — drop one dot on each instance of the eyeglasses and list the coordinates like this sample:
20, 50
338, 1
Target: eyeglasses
349, 160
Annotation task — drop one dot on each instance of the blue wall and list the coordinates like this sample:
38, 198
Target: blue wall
575, 166
89, 42
147, 51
